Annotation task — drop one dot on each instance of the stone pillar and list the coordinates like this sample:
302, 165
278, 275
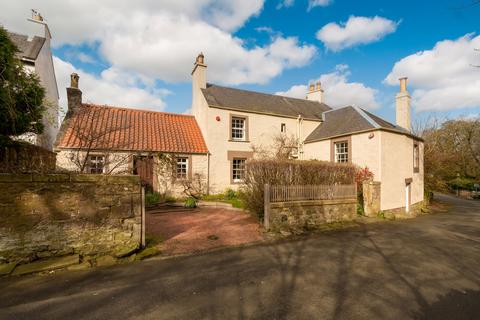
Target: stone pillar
371, 198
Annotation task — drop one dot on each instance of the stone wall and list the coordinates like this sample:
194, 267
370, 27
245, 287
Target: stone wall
24, 157
297, 216
48, 215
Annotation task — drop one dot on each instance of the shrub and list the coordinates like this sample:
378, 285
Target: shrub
460, 183
152, 198
290, 172
191, 202
230, 194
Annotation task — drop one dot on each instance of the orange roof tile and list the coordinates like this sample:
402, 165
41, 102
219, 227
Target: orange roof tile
113, 128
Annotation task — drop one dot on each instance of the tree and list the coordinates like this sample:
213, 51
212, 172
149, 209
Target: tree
21, 94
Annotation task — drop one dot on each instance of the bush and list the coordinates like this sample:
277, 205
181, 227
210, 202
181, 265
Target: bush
290, 172
191, 202
230, 194
460, 183
152, 198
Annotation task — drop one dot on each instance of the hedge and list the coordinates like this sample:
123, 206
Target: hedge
290, 172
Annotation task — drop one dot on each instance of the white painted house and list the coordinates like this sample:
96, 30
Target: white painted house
36, 56
233, 121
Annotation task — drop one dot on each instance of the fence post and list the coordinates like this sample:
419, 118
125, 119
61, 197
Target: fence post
266, 208
142, 236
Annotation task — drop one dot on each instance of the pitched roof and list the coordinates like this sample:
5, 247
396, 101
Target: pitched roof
29, 48
348, 120
113, 128
256, 102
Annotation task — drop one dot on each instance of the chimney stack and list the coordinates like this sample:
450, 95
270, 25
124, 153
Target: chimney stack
315, 92
74, 94
403, 106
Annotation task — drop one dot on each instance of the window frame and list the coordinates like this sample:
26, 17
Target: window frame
96, 162
231, 155
416, 157
333, 149
244, 130
283, 127
239, 169
185, 166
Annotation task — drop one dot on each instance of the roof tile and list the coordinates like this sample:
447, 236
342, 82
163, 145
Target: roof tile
113, 128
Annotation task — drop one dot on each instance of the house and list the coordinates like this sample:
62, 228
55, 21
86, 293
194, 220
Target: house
36, 55
234, 121
228, 127
165, 149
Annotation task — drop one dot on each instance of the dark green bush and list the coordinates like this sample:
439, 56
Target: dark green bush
153, 198
290, 172
461, 183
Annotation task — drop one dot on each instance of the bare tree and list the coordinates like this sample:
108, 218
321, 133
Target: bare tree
283, 146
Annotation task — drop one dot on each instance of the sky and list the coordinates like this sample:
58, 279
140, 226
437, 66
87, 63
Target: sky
140, 54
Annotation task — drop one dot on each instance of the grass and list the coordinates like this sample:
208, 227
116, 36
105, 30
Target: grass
229, 196
151, 247
154, 198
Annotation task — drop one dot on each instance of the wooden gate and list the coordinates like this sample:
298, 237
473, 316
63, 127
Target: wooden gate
143, 166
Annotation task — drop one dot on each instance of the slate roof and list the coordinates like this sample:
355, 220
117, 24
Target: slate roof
29, 48
256, 102
348, 120
123, 129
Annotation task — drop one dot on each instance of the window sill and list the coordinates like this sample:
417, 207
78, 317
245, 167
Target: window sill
232, 140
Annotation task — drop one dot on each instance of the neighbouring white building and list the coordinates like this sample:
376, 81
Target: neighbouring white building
229, 124
36, 56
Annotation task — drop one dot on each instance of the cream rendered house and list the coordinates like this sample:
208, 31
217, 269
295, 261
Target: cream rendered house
233, 121
36, 56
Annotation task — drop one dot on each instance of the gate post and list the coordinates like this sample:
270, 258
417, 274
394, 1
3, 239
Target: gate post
266, 207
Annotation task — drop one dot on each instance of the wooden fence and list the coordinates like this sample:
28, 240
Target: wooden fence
274, 194
311, 192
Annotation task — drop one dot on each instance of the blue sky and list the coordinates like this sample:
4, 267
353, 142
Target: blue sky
140, 56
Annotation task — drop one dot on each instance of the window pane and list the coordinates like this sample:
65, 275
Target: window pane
238, 128
238, 169
182, 165
96, 164
341, 151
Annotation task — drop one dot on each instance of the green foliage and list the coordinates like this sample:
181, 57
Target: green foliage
190, 202
230, 194
360, 210
21, 94
153, 198
460, 183
381, 215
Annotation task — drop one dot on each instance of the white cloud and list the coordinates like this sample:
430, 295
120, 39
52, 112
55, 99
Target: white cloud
112, 87
318, 3
160, 39
338, 92
285, 4
356, 31
444, 77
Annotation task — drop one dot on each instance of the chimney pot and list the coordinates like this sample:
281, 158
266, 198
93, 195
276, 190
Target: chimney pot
319, 86
311, 87
200, 58
74, 80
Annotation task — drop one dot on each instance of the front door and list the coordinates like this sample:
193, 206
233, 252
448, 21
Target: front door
143, 166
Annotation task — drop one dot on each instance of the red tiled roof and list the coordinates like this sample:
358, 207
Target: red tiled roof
112, 128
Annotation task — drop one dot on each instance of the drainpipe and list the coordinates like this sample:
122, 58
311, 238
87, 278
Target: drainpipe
208, 173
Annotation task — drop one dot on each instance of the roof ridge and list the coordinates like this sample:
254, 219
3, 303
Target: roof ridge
136, 110
366, 116
264, 93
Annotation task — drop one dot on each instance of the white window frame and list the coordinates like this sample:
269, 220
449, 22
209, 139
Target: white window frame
95, 165
238, 128
341, 151
181, 169
238, 170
